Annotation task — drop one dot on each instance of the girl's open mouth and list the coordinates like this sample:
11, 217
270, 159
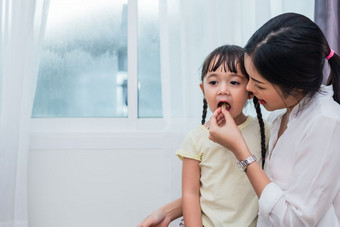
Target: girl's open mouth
224, 105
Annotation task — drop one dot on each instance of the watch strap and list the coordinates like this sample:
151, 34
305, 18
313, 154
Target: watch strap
245, 163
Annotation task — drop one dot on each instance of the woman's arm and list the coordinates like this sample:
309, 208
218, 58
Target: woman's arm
191, 192
164, 215
229, 136
307, 198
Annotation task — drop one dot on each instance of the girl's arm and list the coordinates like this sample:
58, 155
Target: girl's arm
191, 192
164, 215
229, 136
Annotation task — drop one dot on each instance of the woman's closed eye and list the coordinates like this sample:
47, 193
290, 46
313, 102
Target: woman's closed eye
258, 87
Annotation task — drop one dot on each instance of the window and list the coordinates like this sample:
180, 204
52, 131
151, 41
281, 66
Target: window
149, 89
84, 64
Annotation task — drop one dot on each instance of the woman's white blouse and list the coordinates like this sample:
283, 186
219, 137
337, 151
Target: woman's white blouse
304, 166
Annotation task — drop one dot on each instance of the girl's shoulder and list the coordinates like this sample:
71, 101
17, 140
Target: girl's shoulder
253, 125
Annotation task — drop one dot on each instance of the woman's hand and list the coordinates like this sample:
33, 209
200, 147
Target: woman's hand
224, 131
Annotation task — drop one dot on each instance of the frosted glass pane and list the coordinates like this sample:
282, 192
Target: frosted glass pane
149, 75
83, 68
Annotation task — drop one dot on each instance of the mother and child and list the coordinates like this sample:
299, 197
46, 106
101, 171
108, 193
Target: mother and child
281, 67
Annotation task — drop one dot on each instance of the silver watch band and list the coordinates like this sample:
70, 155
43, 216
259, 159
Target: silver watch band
244, 164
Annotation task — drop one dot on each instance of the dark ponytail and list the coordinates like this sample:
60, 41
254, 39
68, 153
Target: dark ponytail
334, 76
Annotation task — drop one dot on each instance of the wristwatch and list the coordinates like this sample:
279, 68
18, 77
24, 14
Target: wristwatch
242, 165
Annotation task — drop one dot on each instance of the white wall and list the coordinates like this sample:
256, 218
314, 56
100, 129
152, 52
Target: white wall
112, 179
108, 177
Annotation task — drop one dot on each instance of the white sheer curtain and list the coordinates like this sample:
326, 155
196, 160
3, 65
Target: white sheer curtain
190, 30
196, 27
22, 28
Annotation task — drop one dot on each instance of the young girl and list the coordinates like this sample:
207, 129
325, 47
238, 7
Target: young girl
214, 191
301, 184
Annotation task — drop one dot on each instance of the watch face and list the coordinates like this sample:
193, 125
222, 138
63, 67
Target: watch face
242, 165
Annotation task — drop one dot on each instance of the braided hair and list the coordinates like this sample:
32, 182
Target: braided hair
204, 113
262, 129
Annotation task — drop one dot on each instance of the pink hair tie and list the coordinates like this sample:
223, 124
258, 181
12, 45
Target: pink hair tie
330, 55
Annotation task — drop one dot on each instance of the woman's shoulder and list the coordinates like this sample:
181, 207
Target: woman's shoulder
324, 106
275, 115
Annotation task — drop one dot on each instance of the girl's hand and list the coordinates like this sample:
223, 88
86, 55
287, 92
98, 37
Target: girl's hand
224, 131
157, 219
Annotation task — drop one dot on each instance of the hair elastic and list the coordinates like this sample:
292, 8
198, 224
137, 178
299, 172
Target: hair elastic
330, 55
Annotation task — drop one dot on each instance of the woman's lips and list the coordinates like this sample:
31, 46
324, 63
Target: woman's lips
262, 101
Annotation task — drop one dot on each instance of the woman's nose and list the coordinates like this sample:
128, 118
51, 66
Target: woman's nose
249, 86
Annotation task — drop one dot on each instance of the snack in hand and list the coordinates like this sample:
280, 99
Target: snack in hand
224, 105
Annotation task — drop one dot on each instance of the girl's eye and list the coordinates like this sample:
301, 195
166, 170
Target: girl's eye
234, 83
213, 82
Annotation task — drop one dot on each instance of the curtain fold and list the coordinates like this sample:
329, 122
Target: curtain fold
22, 29
193, 29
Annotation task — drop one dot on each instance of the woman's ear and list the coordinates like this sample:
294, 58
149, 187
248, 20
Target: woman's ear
250, 95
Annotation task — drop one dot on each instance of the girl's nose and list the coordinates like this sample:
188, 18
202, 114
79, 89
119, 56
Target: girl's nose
224, 90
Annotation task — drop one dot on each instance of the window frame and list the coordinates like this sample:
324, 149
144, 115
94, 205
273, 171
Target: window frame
84, 128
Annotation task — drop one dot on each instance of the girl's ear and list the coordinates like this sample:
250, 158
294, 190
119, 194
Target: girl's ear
250, 95
201, 86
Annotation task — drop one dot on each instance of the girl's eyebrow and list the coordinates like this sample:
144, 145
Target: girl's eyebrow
229, 73
256, 80
238, 75
208, 75
211, 74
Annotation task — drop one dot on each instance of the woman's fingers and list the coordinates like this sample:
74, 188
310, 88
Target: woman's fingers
220, 121
218, 118
226, 114
214, 119
227, 117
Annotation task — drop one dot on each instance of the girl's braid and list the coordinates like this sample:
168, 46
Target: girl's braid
204, 113
262, 130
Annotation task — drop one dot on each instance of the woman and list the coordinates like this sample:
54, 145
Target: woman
301, 184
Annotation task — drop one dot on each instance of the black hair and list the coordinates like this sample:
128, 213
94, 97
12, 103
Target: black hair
289, 51
229, 56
